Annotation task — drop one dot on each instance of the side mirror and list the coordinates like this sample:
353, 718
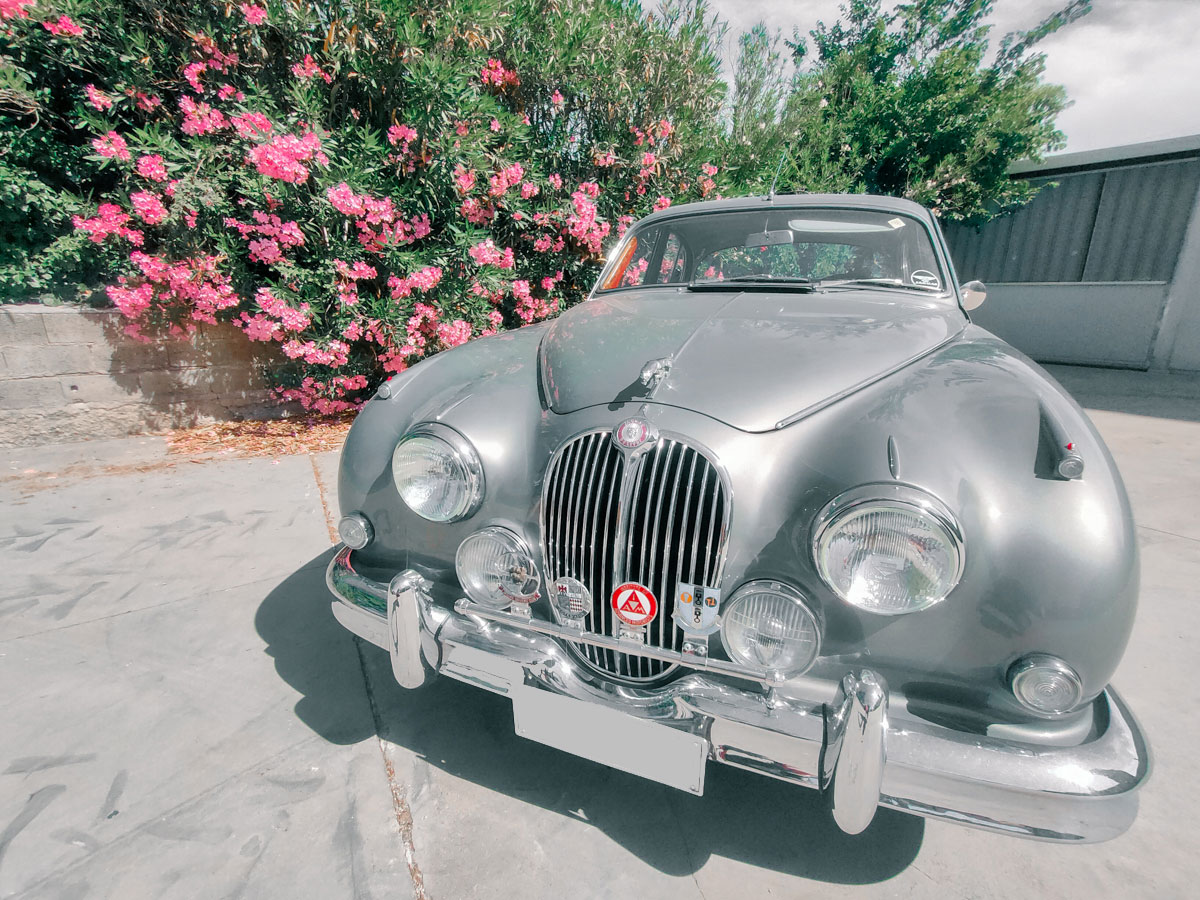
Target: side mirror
973, 295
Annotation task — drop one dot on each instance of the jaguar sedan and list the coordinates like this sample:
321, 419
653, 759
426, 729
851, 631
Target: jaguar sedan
768, 498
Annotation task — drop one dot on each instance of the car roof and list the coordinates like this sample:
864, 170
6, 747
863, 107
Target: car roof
786, 201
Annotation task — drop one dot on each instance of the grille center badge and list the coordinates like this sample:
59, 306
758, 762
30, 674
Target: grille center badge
634, 604
634, 433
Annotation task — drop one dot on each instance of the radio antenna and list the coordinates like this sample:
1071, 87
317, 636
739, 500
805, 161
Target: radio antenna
778, 169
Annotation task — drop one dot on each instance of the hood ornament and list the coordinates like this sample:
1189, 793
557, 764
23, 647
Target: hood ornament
654, 372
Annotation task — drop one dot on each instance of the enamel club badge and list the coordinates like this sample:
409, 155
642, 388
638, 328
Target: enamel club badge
696, 609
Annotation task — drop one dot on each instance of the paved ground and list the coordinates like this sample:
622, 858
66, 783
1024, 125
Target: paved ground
180, 716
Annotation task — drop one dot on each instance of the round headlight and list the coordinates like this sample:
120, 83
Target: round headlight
888, 549
495, 568
1045, 685
438, 473
766, 624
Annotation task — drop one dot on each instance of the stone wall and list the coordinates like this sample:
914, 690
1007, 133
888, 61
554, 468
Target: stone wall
69, 374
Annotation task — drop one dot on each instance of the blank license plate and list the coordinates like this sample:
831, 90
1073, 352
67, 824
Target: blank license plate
654, 751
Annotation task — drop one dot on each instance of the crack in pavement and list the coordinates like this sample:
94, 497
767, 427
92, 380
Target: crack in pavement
329, 523
404, 819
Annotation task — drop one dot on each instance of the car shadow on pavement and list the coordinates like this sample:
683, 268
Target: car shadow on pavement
468, 733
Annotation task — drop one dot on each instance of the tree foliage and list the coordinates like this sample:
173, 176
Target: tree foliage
906, 102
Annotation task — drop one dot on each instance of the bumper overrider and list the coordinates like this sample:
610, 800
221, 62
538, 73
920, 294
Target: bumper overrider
857, 744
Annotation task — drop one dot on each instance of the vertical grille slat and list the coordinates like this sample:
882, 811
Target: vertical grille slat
657, 518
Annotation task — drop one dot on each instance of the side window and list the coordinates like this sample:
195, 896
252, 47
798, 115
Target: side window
630, 270
671, 268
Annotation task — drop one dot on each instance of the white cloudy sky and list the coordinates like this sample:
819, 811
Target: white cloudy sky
1131, 66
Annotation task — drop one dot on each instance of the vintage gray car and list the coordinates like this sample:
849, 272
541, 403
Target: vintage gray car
767, 498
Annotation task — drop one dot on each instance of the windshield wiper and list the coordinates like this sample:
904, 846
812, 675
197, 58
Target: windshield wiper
777, 282
876, 282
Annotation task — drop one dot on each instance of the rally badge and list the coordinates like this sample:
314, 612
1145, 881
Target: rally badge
696, 609
572, 600
634, 604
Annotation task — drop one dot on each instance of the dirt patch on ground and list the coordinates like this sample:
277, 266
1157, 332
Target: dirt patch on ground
276, 437
201, 444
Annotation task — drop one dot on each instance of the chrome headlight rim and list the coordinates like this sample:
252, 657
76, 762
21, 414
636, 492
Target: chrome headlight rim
465, 456
885, 495
1027, 666
787, 592
502, 534
355, 540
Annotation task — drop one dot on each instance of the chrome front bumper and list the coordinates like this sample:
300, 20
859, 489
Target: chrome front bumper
856, 741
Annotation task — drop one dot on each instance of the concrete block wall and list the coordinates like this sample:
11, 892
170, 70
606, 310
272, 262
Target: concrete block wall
69, 374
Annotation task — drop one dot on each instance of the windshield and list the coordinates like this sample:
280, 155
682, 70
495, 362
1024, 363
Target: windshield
804, 247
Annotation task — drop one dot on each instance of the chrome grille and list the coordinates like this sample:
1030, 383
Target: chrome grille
657, 518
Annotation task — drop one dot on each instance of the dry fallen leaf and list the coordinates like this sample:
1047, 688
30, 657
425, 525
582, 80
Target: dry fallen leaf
275, 437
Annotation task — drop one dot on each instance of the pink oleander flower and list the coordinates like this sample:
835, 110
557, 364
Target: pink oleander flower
227, 91
359, 271
192, 72
606, 159
401, 134
255, 15
426, 279
708, 169
307, 68
200, 118
14, 9
661, 203
259, 327
148, 206
494, 73
151, 167
284, 156
97, 99
477, 212
452, 334
132, 302
494, 125
463, 179
556, 99
460, 128
505, 178
265, 251
64, 26
648, 159
251, 125
112, 145
543, 243
556, 181
147, 103
528, 190
189, 218
290, 318
486, 253
110, 219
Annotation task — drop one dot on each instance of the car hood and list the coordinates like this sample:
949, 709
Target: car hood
753, 360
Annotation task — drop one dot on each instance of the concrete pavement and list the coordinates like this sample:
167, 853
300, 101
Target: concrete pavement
180, 716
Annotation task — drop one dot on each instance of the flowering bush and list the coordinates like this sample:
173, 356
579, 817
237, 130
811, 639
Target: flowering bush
362, 188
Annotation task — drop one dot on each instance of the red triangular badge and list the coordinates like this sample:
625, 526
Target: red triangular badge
633, 604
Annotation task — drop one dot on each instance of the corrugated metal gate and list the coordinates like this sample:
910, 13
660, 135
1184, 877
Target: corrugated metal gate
1085, 272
